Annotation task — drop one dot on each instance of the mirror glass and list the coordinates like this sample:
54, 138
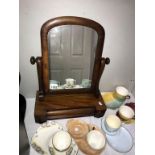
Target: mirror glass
71, 56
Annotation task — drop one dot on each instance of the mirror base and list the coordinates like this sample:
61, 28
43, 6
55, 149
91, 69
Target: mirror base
68, 106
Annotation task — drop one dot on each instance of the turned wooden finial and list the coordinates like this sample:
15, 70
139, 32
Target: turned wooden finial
33, 60
107, 61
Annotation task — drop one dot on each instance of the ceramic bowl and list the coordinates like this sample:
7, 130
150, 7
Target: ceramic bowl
112, 123
61, 141
96, 140
126, 112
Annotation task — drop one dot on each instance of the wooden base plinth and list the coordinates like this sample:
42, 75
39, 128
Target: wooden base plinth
58, 106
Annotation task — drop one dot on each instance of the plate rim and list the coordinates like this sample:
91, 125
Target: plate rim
132, 142
39, 129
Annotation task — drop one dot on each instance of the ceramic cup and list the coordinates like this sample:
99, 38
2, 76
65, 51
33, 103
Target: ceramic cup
54, 84
70, 82
96, 140
62, 141
86, 83
112, 123
126, 112
115, 99
121, 93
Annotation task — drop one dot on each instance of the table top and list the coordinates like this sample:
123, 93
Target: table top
31, 126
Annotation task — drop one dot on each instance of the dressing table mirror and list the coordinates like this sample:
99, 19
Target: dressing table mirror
70, 69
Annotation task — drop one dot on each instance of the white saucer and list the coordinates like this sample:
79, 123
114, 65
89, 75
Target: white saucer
42, 136
73, 87
105, 130
122, 141
73, 150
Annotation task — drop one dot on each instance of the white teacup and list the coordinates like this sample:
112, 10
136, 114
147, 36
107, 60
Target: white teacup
96, 140
54, 84
86, 83
70, 82
126, 112
61, 141
112, 123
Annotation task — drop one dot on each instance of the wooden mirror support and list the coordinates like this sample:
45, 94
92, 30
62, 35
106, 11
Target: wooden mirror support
56, 104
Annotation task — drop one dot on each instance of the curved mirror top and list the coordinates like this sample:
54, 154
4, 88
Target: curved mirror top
71, 56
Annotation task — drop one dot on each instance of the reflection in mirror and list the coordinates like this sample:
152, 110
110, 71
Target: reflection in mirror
71, 56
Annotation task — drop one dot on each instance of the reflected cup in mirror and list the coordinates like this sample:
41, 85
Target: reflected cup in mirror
86, 83
54, 84
70, 82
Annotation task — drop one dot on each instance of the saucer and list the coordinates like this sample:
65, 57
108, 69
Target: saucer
106, 131
73, 150
77, 128
65, 86
42, 136
77, 86
122, 141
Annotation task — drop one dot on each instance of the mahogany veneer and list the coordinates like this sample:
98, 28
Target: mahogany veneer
56, 104
68, 105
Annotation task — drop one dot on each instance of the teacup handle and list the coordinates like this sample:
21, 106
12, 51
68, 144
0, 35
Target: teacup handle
128, 97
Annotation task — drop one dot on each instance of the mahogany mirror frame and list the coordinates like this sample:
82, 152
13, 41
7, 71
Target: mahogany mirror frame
48, 104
